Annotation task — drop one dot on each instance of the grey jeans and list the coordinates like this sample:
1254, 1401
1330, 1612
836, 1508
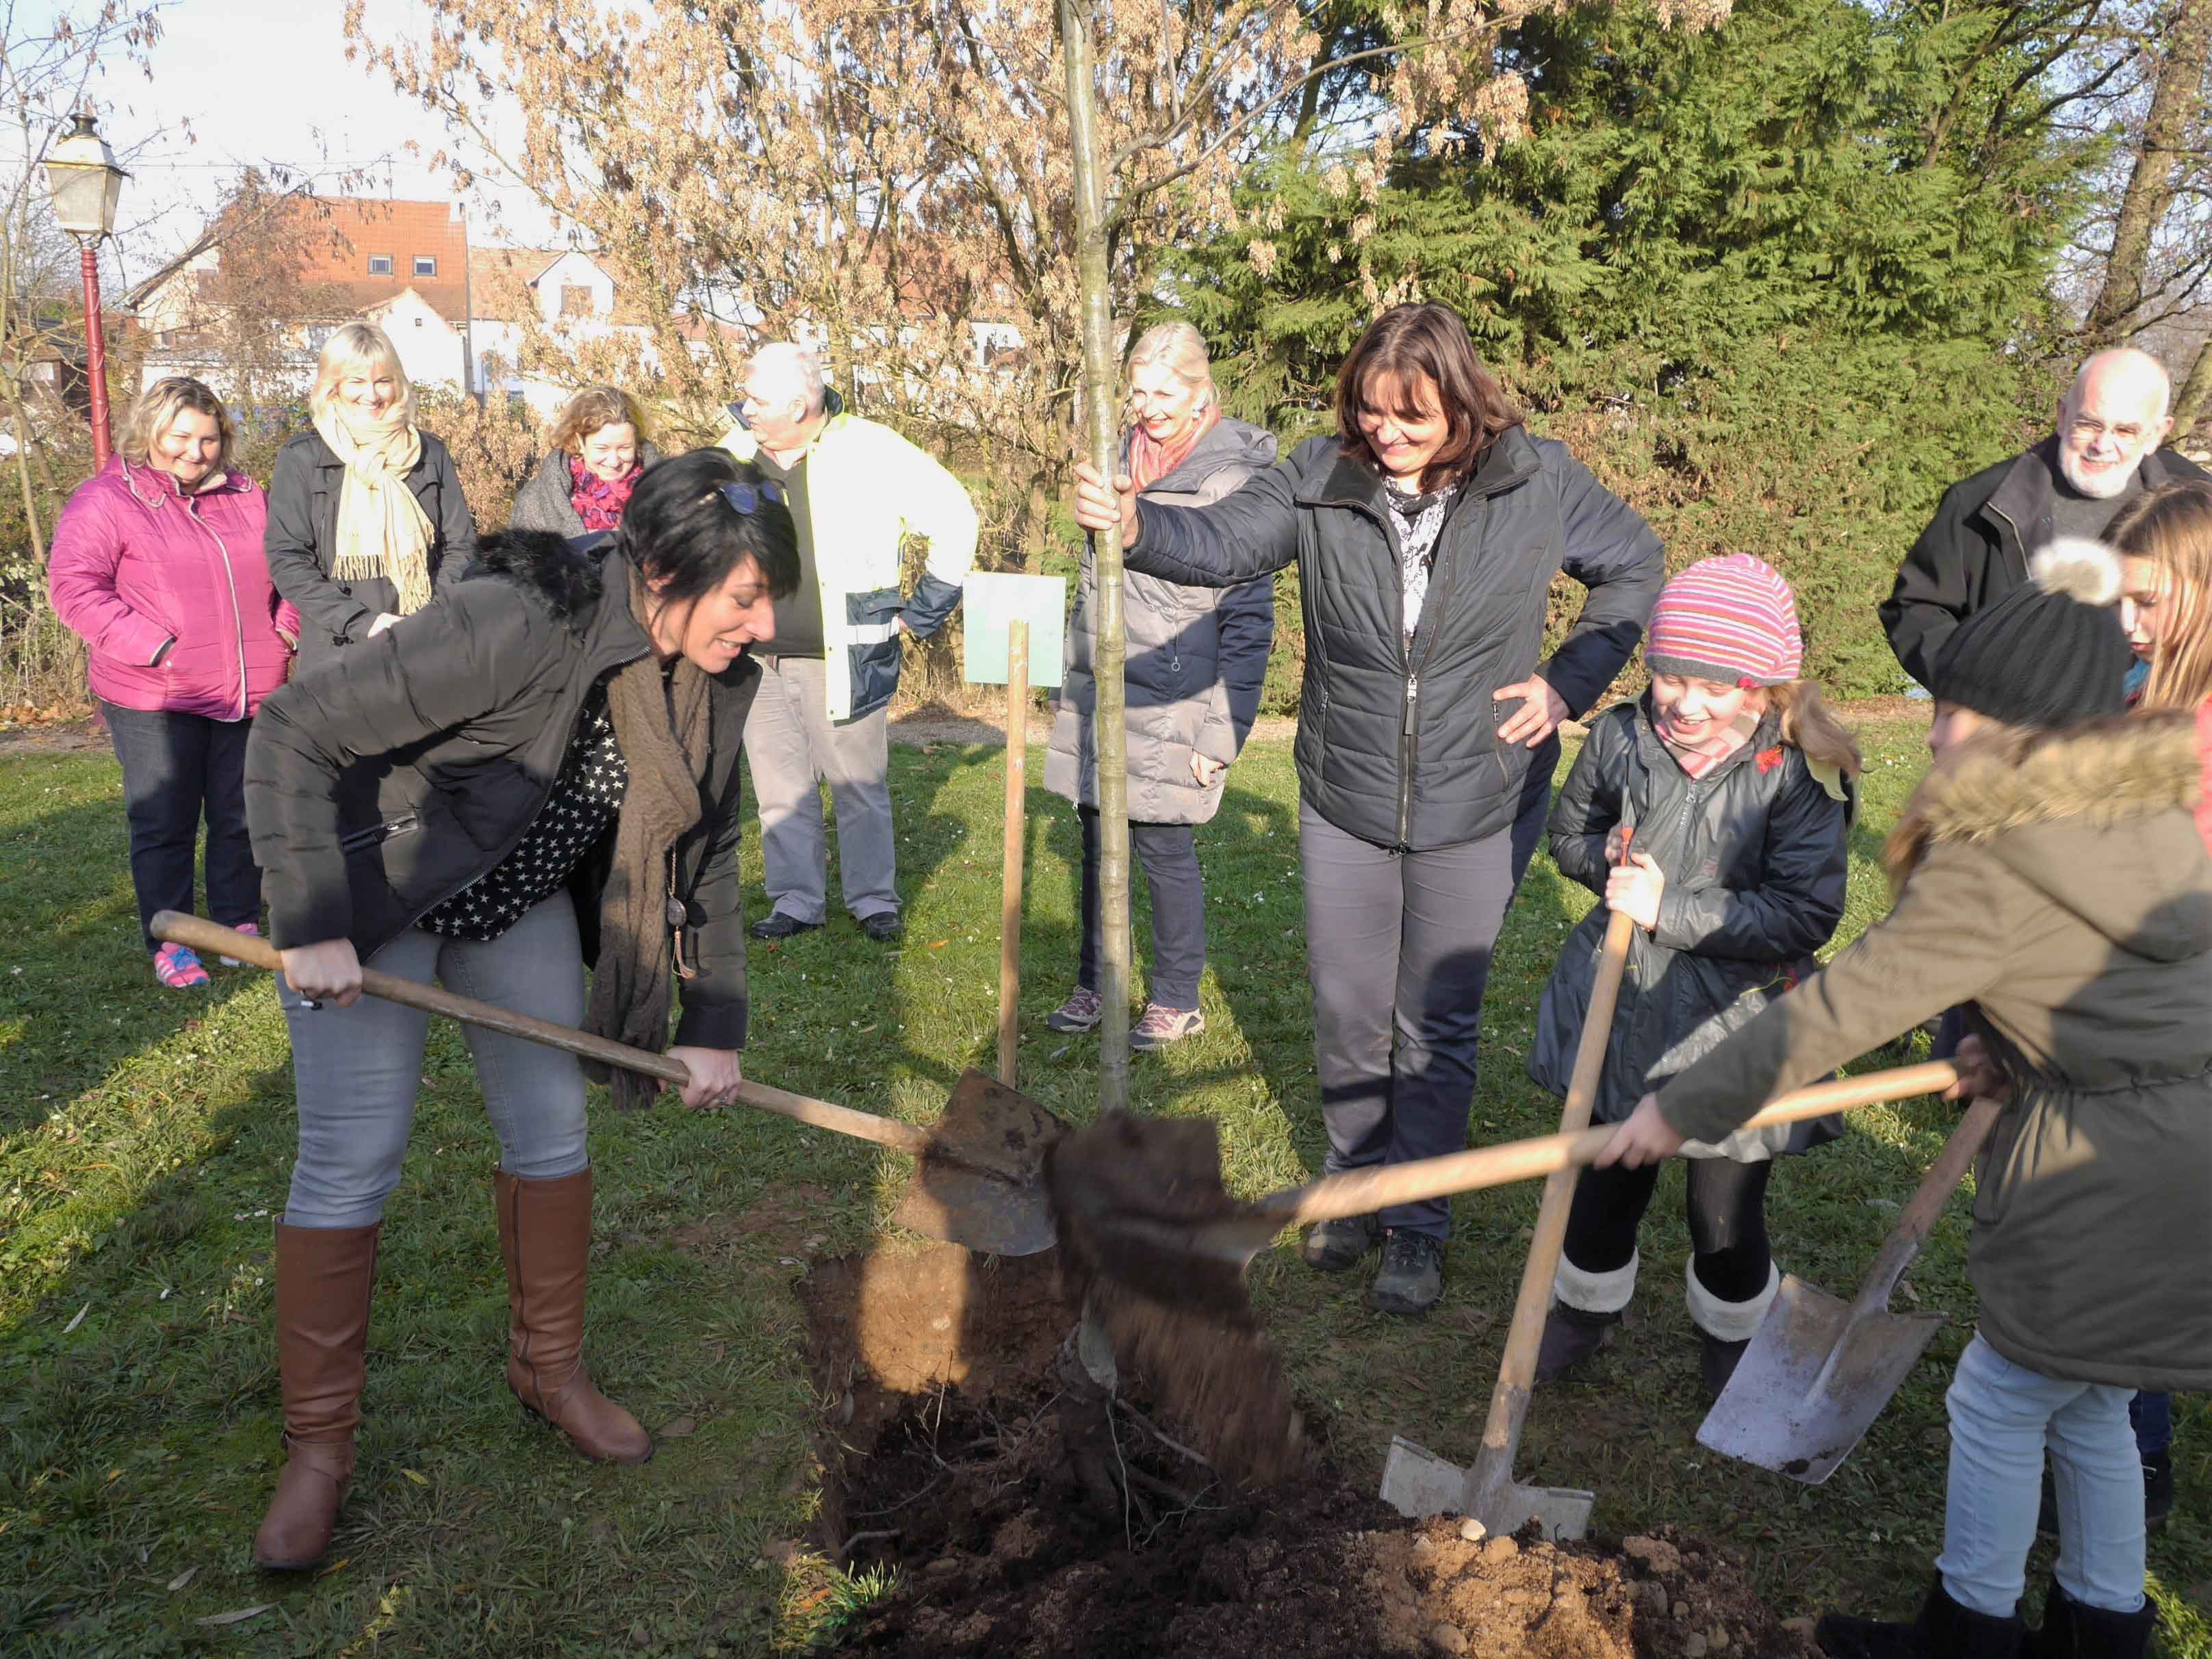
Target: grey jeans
794, 749
355, 1070
1398, 947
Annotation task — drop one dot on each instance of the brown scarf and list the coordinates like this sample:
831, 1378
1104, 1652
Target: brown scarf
664, 728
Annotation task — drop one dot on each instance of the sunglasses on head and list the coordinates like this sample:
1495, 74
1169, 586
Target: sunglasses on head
746, 498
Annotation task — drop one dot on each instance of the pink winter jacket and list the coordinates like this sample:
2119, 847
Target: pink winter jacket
172, 592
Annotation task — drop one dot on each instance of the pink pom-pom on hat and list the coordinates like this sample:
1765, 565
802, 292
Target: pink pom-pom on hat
1732, 619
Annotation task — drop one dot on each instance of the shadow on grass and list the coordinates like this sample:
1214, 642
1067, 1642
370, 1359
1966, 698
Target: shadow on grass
80, 994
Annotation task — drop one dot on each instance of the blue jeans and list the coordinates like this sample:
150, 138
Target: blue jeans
1169, 854
355, 1070
177, 770
2002, 1417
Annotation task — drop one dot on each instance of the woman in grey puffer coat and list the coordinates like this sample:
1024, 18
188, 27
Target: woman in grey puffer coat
1197, 657
595, 453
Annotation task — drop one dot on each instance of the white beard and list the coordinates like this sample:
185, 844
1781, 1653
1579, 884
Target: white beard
2100, 488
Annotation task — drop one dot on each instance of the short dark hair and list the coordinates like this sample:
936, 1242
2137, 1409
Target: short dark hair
1408, 343
680, 528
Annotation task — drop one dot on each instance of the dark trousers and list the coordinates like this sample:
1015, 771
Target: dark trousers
1398, 947
1534, 809
178, 771
1169, 854
1727, 1215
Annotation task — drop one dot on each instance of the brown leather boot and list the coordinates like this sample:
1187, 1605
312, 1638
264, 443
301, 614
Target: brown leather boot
546, 1234
324, 1275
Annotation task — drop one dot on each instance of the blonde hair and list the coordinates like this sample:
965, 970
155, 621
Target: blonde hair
358, 348
2173, 528
1181, 349
1809, 725
157, 406
593, 407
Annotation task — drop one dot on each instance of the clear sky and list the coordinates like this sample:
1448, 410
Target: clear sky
267, 80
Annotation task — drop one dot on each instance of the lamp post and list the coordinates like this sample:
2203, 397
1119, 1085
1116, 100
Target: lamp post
85, 184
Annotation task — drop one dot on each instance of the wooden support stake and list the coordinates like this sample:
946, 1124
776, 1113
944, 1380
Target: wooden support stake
1010, 899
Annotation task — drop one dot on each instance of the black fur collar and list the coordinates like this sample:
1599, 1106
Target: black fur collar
566, 572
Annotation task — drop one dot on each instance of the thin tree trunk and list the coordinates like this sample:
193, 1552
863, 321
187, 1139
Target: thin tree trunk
2175, 107
1099, 372
2189, 408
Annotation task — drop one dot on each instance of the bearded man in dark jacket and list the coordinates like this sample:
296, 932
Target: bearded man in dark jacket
2104, 454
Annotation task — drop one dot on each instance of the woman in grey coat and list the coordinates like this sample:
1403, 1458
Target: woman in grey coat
1196, 658
594, 454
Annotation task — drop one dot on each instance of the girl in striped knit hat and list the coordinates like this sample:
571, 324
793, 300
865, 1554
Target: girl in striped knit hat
1715, 811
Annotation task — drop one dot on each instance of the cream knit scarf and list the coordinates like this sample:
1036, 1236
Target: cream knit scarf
382, 529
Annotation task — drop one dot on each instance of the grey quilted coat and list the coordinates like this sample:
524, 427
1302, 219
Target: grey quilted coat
1197, 657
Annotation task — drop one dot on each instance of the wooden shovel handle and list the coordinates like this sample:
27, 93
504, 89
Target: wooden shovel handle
1918, 1219
1517, 1370
1334, 1198
212, 937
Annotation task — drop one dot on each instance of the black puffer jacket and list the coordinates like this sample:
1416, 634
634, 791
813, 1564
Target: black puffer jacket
383, 788
1400, 748
303, 533
1755, 854
1975, 551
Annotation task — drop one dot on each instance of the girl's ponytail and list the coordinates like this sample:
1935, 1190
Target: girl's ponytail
1808, 724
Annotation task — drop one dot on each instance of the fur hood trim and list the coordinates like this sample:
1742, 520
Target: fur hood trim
2097, 772
566, 572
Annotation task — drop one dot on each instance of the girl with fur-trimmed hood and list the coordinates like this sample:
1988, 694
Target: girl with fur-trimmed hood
2048, 871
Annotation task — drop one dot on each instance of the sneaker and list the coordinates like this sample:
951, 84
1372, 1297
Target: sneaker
178, 967
885, 926
1571, 1335
251, 932
1336, 1247
1081, 1012
1161, 1026
1413, 1275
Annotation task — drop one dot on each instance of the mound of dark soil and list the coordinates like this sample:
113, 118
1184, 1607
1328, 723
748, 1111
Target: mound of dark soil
966, 1489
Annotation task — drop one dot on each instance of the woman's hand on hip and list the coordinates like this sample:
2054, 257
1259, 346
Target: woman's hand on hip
1539, 715
1206, 769
1099, 505
1645, 1138
715, 1075
384, 620
327, 972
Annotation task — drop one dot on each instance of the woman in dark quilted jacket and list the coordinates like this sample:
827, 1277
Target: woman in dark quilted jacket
1715, 811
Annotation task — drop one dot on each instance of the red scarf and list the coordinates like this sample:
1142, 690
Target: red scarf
598, 503
1150, 461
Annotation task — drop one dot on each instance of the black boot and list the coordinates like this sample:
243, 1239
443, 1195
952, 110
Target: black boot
1413, 1274
1718, 1360
2072, 1629
1944, 1630
1571, 1335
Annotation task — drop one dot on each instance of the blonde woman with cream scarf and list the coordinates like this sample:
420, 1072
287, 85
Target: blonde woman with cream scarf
366, 516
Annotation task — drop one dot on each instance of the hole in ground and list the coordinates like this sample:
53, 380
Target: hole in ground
945, 1459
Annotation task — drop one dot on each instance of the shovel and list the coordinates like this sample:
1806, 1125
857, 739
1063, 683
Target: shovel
1819, 1369
978, 1171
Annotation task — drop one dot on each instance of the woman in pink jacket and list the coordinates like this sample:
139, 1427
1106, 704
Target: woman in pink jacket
157, 563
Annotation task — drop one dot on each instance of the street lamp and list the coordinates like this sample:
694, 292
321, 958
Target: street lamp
85, 184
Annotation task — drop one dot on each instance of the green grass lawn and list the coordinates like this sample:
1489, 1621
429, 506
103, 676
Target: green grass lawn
145, 1139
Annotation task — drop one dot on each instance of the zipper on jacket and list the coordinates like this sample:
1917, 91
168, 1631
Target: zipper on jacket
237, 617
1424, 642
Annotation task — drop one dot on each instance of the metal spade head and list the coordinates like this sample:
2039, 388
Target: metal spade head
980, 1184
1815, 1376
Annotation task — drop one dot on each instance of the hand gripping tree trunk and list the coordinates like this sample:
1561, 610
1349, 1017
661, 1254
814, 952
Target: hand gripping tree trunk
1100, 373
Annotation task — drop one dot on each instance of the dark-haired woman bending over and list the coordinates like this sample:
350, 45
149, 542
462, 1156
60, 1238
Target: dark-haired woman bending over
539, 772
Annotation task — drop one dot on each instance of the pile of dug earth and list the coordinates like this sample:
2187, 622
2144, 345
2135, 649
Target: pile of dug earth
946, 1460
